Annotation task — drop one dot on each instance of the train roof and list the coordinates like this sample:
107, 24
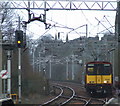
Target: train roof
98, 62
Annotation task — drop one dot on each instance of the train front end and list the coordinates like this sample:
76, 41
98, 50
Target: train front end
99, 78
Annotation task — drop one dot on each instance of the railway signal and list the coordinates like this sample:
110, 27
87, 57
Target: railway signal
19, 38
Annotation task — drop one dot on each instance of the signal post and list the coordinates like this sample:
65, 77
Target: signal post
19, 44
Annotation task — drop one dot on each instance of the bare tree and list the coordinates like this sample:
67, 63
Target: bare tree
6, 22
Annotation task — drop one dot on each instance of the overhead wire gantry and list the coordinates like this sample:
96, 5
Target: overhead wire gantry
106, 5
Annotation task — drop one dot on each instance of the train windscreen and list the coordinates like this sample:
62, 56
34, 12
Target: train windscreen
99, 69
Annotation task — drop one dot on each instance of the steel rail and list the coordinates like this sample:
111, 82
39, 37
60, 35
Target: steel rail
90, 100
104, 101
50, 101
93, 99
61, 87
78, 99
73, 94
86, 100
83, 99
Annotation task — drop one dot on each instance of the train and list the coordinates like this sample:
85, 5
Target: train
99, 77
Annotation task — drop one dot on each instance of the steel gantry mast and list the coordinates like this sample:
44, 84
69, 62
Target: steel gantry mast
106, 5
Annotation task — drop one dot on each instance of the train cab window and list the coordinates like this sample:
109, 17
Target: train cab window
104, 69
99, 69
90, 69
107, 69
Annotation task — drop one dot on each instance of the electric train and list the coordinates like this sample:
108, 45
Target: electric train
99, 77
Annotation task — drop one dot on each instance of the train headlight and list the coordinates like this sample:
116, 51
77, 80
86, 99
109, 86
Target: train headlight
105, 81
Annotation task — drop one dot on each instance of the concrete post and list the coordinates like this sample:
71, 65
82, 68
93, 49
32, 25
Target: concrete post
0, 63
9, 71
50, 69
73, 73
39, 62
67, 69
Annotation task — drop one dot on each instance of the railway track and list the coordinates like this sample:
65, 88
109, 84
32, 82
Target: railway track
63, 97
67, 95
86, 101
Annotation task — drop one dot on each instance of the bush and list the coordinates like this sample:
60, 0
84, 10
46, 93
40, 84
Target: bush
32, 82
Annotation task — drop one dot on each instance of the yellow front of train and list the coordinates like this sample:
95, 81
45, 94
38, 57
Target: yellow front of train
99, 78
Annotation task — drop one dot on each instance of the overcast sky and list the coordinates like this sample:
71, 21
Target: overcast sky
71, 19
74, 19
